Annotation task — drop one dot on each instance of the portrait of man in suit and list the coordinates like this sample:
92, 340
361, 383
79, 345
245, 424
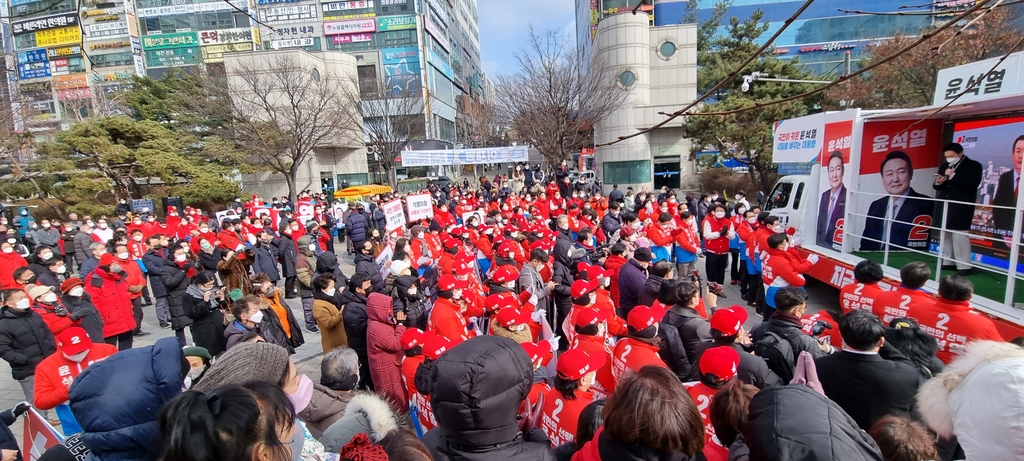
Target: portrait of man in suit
896, 219
832, 207
1006, 192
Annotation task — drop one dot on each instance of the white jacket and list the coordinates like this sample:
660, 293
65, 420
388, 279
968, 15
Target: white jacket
980, 399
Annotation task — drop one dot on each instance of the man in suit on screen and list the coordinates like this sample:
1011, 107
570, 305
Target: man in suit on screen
832, 207
1006, 192
902, 218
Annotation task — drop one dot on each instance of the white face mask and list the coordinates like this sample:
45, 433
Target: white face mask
777, 229
952, 160
45, 256
511, 285
103, 225
412, 291
123, 255
456, 294
195, 372
588, 379
752, 220
257, 317
77, 357
76, 291
312, 247
23, 304
8, 250
180, 258
719, 214
61, 269
742, 210
330, 292
50, 298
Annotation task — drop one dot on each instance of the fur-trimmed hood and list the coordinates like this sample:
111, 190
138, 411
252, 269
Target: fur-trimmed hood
980, 399
365, 413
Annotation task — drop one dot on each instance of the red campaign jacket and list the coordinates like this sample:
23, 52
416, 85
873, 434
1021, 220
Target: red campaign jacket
895, 304
110, 296
137, 249
561, 415
703, 395
780, 269
614, 263
632, 354
446, 263
229, 240
559, 207
859, 296
574, 221
719, 245
434, 245
55, 322
416, 399
745, 231
595, 345
809, 320
8, 263
953, 324
135, 277
486, 246
55, 374
446, 320
687, 239
761, 240
443, 218
660, 236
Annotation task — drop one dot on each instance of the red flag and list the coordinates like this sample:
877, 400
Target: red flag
39, 435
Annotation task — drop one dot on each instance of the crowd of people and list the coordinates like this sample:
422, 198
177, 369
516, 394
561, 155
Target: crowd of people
523, 320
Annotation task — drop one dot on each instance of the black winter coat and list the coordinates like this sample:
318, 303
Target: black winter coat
154, 262
649, 293
287, 253
207, 323
752, 369
91, 321
673, 353
357, 227
266, 261
870, 386
175, 281
477, 389
562, 292
692, 328
365, 264
25, 340
7, 439
784, 326
327, 263
209, 261
415, 307
795, 422
632, 278
354, 316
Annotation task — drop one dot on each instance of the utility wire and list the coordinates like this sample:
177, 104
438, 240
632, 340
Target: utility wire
920, 13
725, 80
916, 43
252, 16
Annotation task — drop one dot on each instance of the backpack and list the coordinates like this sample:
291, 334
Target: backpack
777, 352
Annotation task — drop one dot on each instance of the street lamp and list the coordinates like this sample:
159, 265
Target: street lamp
765, 77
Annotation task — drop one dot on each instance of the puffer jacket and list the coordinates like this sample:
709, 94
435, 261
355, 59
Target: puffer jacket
176, 280
327, 263
356, 226
155, 261
117, 401
305, 268
8, 263
414, 306
365, 264
109, 294
978, 398
25, 340
287, 253
324, 408
384, 350
476, 392
795, 422
355, 318
266, 261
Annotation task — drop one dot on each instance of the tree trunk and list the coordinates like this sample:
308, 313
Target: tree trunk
289, 179
43, 198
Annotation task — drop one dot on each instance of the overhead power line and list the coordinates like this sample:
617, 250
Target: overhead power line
921, 13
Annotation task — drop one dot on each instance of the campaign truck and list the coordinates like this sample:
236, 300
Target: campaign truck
864, 186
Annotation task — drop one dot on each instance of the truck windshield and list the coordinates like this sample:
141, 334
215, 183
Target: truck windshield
779, 198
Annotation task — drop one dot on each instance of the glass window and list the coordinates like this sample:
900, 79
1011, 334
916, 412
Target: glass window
42, 8
779, 198
368, 83
25, 41
667, 50
354, 179
214, 21
627, 79
112, 60
630, 172
798, 197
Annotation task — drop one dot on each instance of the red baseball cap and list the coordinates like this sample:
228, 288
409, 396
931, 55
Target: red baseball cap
460, 231
106, 259
448, 282
505, 274
537, 351
720, 361
499, 301
582, 287
592, 271
464, 257
450, 242
542, 244
511, 316
412, 337
574, 364
643, 317
436, 345
589, 316
505, 248
74, 340
728, 321
462, 268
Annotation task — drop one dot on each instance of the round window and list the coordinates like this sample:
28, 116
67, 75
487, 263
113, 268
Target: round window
316, 75
627, 78
667, 50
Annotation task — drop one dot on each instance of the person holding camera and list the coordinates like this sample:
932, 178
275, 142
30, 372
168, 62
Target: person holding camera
203, 303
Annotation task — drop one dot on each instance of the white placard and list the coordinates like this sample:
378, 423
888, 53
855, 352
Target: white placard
393, 214
1002, 81
798, 140
420, 206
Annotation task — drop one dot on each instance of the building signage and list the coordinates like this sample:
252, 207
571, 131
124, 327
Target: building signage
393, 2
344, 6
292, 13
207, 7
61, 36
440, 64
352, 38
834, 46
267, 2
980, 80
111, 77
70, 81
403, 22
103, 12
172, 57
220, 37
176, 40
294, 31
64, 51
109, 45
136, 45
437, 10
465, 156
60, 66
215, 53
34, 70
439, 35
106, 30
350, 27
292, 43
74, 93
34, 25
27, 56
400, 55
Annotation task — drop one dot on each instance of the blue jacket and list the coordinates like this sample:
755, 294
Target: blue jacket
117, 401
357, 227
22, 221
632, 279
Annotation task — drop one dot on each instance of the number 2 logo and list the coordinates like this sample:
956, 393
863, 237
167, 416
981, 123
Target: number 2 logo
922, 225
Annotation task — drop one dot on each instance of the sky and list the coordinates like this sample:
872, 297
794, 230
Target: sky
504, 25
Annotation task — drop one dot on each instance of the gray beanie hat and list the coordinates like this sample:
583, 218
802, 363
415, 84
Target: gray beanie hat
246, 362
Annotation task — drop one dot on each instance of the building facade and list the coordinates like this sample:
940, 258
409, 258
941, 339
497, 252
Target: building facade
657, 68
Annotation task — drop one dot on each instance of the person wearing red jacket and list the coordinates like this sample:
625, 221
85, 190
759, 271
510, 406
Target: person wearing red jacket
862, 295
540, 353
661, 235
229, 237
412, 343
446, 317
576, 372
590, 327
640, 347
614, 264
9, 261
108, 288
717, 231
951, 320
136, 284
896, 304
616, 325
781, 269
687, 247
46, 303
557, 205
136, 245
718, 366
54, 375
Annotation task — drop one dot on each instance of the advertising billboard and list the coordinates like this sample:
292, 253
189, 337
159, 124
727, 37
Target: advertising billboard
835, 175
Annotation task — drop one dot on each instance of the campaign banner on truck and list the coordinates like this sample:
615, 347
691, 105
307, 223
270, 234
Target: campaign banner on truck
393, 214
420, 207
798, 140
835, 175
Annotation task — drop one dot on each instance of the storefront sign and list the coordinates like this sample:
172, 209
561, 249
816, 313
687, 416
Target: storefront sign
437, 11
172, 57
439, 35
396, 22
338, 17
351, 38
220, 37
350, 27
60, 66
292, 43
111, 77
74, 93
207, 7
105, 30
109, 45
267, 2
27, 56
344, 6
400, 55
34, 70
215, 53
284, 14
61, 36
103, 12
70, 81
35, 25
294, 31
64, 51
176, 40
440, 64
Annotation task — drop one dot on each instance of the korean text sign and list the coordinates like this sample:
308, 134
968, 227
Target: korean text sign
798, 140
419, 206
393, 214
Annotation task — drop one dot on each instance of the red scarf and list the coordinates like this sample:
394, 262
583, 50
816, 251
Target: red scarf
191, 271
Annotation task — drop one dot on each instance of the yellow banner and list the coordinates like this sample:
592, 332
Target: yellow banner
59, 36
